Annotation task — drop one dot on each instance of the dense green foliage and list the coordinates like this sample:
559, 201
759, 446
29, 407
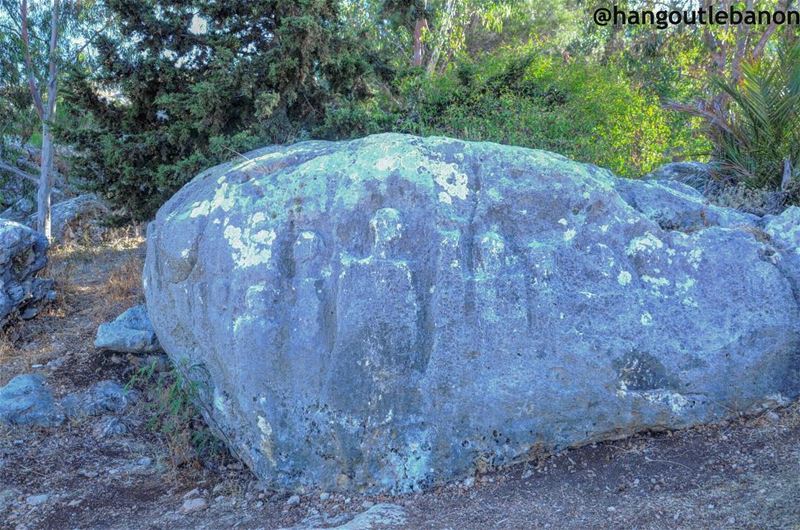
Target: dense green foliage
758, 139
154, 91
529, 98
189, 96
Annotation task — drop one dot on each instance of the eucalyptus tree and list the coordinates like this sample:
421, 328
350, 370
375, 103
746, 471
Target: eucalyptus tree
439, 29
42, 38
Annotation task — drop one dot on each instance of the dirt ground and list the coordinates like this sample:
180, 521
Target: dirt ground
742, 474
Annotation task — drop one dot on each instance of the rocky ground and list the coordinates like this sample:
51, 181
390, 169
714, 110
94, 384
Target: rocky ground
116, 469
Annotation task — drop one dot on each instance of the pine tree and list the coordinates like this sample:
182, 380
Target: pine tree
181, 85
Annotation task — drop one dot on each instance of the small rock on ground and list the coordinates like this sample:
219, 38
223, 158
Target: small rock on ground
131, 332
36, 500
293, 500
108, 427
193, 505
104, 396
25, 400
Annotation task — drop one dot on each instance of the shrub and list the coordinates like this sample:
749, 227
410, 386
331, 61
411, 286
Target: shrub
588, 112
171, 403
164, 101
756, 139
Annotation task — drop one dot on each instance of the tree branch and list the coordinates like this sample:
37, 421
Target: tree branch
52, 59
26, 45
762, 42
19, 173
90, 40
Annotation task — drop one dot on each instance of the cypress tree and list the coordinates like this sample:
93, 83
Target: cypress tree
179, 85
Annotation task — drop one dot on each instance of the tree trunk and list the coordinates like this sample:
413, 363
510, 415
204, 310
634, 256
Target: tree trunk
419, 51
442, 35
787, 174
43, 220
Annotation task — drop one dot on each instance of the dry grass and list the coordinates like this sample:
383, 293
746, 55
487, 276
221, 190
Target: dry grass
93, 283
124, 282
6, 345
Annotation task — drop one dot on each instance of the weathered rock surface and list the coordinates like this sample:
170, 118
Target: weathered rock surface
382, 516
694, 174
78, 218
19, 211
393, 312
23, 253
25, 400
102, 397
721, 191
131, 332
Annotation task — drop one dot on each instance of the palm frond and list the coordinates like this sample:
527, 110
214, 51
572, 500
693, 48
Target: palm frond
759, 129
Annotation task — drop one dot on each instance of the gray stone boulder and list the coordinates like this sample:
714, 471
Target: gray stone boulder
102, 397
131, 332
77, 219
697, 175
717, 190
25, 400
19, 211
390, 313
23, 253
783, 233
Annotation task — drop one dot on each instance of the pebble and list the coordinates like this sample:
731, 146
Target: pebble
367, 505
110, 427
324, 496
469, 482
193, 505
74, 502
191, 493
55, 363
293, 500
36, 500
145, 461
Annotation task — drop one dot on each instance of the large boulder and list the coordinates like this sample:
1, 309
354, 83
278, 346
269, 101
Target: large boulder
23, 253
77, 219
389, 313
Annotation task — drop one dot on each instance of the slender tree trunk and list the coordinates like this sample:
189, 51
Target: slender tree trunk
46, 110
43, 220
442, 34
787, 174
418, 55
